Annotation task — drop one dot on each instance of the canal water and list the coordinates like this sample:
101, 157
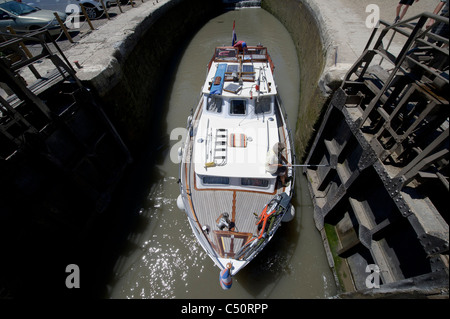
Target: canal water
162, 258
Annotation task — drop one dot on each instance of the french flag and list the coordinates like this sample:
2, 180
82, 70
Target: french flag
234, 38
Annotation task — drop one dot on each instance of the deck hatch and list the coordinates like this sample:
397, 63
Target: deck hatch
238, 140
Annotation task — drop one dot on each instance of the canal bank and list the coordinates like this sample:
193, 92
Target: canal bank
125, 60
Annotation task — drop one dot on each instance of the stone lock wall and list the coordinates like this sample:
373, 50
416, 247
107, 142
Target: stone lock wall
300, 20
130, 84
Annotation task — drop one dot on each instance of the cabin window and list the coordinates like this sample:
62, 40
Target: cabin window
214, 104
232, 68
248, 68
215, 180
257, 182
263, 105
238, 107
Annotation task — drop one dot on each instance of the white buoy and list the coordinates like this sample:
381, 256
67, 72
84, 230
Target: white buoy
180, 203
289, 215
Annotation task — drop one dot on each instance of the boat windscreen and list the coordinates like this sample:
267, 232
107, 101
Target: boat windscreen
227, 54
214, 104
238, 107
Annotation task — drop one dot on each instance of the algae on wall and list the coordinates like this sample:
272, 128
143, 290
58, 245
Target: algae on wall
298, 19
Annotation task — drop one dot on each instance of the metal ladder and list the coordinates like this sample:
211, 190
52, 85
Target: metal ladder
220, 147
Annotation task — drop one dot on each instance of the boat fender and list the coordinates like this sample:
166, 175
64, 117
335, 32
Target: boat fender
289, 215
180, 203
225, 277
180, 153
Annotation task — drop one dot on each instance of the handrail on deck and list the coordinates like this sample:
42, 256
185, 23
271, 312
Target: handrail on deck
257, 53
230, 54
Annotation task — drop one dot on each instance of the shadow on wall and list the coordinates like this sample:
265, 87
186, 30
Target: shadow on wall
297, 17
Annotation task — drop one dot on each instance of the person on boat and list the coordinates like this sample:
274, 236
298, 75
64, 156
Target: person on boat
276, 163
241, 46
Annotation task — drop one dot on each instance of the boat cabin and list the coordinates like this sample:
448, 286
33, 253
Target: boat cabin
238, 124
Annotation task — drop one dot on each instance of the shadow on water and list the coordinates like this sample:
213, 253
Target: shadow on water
132, 199
273, 262
132, 203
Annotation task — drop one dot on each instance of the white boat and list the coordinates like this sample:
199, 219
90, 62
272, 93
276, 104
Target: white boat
232, 203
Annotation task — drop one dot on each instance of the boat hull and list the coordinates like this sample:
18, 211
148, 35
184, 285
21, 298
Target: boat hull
233, 203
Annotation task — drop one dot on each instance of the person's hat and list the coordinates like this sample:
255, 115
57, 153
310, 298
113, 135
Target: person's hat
244, 45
